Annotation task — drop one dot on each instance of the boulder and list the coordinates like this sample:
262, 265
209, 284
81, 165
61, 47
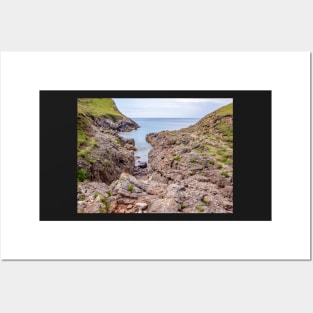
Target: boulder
168, 205
141, 205
128, 186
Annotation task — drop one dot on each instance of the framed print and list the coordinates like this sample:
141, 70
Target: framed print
177, 163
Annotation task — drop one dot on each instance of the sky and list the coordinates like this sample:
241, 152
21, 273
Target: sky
169, 108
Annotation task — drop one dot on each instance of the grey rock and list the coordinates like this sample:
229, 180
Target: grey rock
141, 205
168, 205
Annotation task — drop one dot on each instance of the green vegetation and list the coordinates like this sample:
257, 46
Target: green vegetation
207, 203
130, 188
98, 107
82, 197
193, 161
118, 142
104, 201
226, 110
212, 162
82, 175
226, 160
221, 151
106, 162
83, 124
182, 206
225, 174
200, 208
102, 210
177, 158
83, 153
96, 194
81, 137
219, 166
88, 109
108, 193
226, 131
93, 143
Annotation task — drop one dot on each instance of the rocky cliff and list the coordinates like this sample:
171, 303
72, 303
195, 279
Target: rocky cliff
189, 171
102, 155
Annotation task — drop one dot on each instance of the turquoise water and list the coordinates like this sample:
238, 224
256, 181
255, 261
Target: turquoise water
153, 125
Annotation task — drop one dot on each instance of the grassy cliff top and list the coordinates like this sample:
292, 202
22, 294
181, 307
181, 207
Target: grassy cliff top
99, 107
226, 110
90, 108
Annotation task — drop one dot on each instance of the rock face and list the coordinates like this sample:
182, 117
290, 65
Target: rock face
196, 162
102, 154
189, 170
108, 157
123, 125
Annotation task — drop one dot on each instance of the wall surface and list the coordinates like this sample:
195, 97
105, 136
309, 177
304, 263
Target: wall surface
252, 286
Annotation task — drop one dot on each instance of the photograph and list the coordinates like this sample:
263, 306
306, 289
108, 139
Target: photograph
155, 155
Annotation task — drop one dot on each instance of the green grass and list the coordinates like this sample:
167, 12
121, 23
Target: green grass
83, 153
102, 210
226, 110
82, 197
207, 203
193, 161
177, 158
219, 166
108, 193
221, 151
105, 163
226, 160
82, 175
225, 174
226, 130
104, 201
81, 137
92, 143
96, 194
182, 206
98, 107
83, 124
212, 162
130, 188
200, 208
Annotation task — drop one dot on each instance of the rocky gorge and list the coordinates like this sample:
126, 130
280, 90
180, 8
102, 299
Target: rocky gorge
189, 170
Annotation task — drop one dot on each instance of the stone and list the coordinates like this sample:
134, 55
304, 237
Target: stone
168, 205
175, 191
141, 205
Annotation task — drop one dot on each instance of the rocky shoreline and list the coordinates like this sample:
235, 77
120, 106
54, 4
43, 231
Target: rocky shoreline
189, 170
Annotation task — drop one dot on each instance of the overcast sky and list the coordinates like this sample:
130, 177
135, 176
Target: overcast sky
161, 107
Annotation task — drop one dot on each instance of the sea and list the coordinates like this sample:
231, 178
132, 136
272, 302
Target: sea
153, 125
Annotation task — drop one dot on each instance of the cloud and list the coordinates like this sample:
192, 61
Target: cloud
169, 107
205, 100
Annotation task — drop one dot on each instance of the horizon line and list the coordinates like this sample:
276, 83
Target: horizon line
164, 117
